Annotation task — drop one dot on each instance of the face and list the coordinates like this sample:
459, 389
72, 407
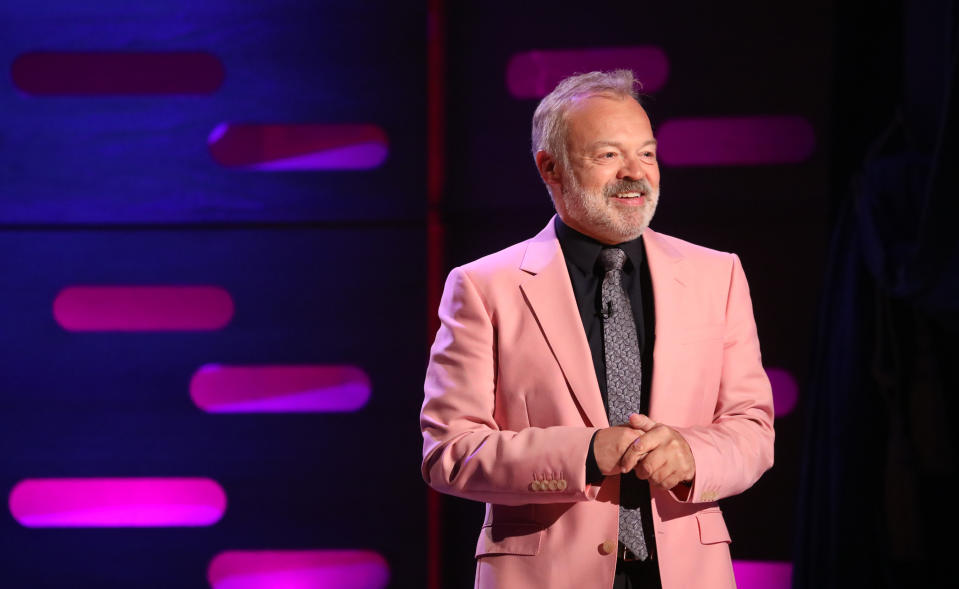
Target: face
609, 188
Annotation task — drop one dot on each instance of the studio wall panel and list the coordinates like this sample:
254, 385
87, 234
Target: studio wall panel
111, 405
101, 150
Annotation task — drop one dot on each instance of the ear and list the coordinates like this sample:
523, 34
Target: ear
548, 169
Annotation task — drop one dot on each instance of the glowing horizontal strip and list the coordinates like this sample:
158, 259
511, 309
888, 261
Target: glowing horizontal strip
117, 502
58, 73
277, 147
143, 308
755, 574
735, 141
292, 569
279, 389
534, 74
785, 390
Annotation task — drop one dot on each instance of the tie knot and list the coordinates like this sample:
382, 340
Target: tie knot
612, 258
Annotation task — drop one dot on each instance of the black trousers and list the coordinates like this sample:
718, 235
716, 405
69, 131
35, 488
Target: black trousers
637, 575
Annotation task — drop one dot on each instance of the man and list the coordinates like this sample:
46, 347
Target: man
600, 385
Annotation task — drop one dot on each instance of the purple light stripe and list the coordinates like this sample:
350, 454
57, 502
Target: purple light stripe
117, 502
534, 74
286, 147
735, 141
298, 569
755, 574
785, 390
217, 388
64, 73
143, 308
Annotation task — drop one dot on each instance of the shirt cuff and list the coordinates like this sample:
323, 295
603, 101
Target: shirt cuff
594, 476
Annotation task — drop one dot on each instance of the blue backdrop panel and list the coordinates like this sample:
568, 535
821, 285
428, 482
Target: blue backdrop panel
145, 158
118, 404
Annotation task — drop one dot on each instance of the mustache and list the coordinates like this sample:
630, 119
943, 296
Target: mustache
641, 185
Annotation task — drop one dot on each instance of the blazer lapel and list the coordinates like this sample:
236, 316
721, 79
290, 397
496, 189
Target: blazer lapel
550, 297
667, 271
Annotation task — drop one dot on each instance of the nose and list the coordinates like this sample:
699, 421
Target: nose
632, 169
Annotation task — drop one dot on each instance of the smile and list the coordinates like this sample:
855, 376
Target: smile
633, 198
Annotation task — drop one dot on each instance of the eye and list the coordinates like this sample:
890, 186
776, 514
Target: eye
648, 157
608, 154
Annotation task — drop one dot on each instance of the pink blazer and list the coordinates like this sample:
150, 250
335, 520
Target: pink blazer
512, 401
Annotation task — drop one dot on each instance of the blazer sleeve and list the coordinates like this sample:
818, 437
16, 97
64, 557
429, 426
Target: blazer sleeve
465, 452
733, 451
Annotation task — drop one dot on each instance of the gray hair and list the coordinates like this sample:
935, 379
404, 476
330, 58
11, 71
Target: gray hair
549, 120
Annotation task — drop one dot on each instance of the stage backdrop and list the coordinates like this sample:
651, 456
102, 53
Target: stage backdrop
213, 234
213, 315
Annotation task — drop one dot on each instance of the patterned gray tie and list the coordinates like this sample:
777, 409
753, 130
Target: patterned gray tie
623, 377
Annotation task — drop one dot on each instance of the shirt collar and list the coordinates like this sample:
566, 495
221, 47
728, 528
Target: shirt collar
583, 250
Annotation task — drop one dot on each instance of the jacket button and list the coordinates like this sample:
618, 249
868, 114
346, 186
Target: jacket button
608, 547
561, 484
553, 485
535, 486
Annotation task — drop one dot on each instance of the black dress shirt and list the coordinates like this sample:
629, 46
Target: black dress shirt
586, 275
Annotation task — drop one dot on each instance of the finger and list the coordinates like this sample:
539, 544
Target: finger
645, 468
632, 455
653, 439
663, 476
640, 421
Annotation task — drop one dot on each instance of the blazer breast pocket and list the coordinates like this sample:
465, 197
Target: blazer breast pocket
688, 363
509, 538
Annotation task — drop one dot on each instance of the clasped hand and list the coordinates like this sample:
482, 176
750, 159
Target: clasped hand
655, 452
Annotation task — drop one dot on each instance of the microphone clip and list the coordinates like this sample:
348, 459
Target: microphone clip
607, 311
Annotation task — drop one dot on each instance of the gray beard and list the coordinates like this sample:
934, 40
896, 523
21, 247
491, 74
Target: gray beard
595, 215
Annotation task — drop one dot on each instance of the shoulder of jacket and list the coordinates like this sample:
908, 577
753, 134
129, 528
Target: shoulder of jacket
693, 251
504, 262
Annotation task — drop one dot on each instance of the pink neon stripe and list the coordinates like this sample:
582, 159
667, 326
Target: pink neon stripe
754, 574
298, 569
59, 73
117, 502
143, 308
735, 141
279, 389
785, 390
534, 74
277, 147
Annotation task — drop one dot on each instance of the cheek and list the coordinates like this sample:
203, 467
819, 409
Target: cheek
595, 178
653, 176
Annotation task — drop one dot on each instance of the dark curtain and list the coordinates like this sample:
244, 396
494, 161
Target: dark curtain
880, 453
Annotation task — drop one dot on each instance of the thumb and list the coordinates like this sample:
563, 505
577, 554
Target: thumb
641, 422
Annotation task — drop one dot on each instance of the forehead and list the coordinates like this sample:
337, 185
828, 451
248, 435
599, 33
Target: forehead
606, 118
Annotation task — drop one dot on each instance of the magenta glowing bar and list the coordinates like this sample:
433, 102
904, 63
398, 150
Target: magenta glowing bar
286, 147
64, 73
217, 388
143, 308
534, 74
298, 569
755, 574
785, 390
117, 502
735, 141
